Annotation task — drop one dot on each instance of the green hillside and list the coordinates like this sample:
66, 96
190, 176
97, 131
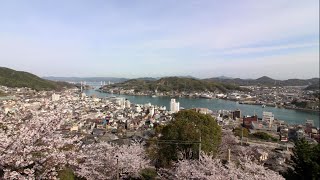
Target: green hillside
12, 78
174, 84
266, 81
315, 86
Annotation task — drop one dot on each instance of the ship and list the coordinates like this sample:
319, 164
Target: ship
206, 96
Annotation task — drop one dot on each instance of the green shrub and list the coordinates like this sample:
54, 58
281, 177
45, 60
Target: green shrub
148, 174
237, 132
66, 174
264, 136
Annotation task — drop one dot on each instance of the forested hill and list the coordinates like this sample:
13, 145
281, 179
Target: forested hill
266, 81
12, 78
174, 84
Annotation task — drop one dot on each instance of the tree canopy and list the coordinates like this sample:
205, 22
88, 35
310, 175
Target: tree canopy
175, 84
180, 139
305, 161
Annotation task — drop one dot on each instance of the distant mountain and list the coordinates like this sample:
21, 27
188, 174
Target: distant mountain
106, 79
266, 81
147, 78
173, 84
12, 78
263, 81
224, 77
88, 79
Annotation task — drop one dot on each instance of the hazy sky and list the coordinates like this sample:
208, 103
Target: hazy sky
202, 38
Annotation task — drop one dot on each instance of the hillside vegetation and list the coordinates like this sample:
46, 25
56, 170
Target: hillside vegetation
2, 93
174, 84
315, 86
266, 81
12, 78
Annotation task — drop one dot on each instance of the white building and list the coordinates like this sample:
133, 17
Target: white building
127, 103
162, 108
235, 96
138, 108
55, 97
174, 106
121, 102
83, 95
151, 111
268, 117
221, 95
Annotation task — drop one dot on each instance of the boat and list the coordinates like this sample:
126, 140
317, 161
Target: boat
263, 106
206, 96
154, 96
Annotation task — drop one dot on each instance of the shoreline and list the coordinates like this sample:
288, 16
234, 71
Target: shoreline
190, 97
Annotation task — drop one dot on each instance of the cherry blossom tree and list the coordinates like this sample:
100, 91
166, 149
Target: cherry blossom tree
104, 161
229, 141
32, 147
210, 168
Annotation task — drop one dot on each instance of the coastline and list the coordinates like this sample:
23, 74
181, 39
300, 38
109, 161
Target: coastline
192, 97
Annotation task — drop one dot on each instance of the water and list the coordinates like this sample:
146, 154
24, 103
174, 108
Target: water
288, 115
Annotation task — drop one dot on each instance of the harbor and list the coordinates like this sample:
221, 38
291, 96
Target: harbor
288, 115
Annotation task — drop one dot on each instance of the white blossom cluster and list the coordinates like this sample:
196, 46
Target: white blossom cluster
243, 165
209, 168
33, 147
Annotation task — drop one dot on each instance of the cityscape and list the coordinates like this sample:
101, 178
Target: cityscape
165, 90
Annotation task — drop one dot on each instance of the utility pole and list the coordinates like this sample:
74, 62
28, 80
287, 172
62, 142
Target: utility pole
241, 135
118, 177
199, 144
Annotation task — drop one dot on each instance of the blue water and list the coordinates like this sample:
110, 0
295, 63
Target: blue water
288, 115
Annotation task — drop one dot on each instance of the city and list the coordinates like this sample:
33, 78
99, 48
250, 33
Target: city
90, 120
159, 90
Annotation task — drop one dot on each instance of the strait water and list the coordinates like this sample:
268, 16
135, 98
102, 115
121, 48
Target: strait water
287, 115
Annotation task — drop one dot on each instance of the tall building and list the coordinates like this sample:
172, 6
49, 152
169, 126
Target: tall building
236, 114
127, 103
151, 111
268, 117
174, 106
121, 102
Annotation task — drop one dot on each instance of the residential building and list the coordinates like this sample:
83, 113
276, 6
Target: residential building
268, 118
174, 106
247, 121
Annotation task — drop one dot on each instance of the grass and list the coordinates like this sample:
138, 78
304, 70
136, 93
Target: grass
66, 174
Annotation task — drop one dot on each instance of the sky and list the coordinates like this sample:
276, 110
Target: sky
143, 38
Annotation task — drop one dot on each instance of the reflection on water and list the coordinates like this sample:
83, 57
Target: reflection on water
290, 116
